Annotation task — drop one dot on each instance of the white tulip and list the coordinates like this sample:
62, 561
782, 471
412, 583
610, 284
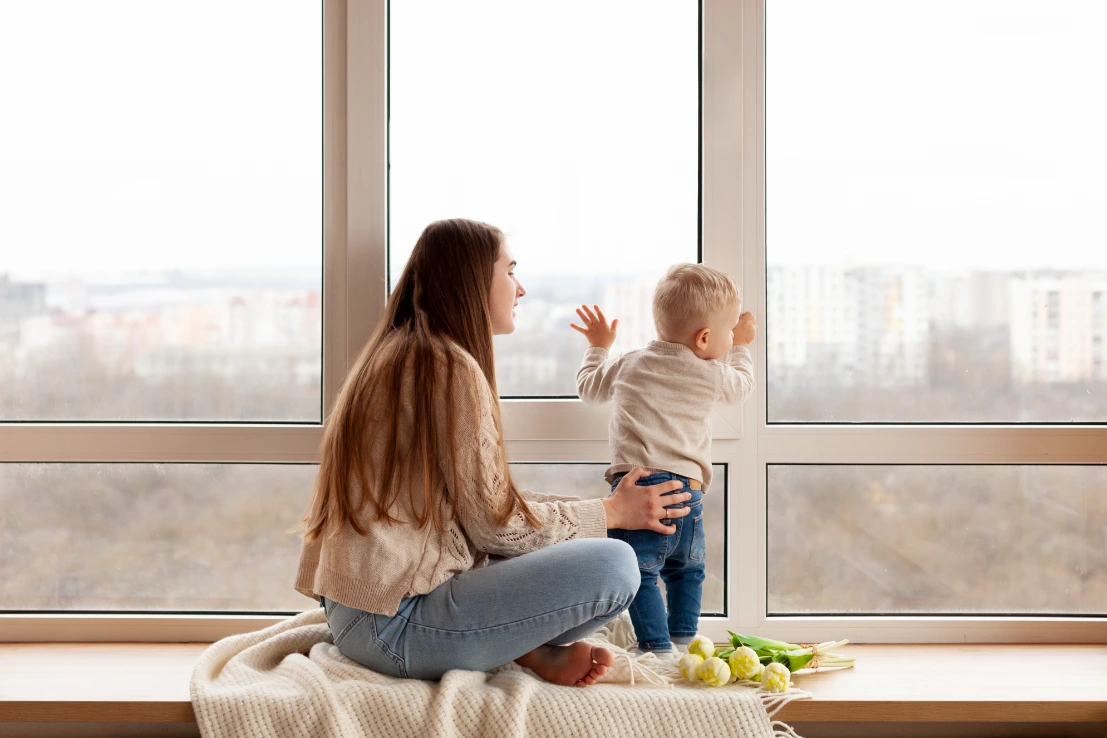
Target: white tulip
689, 665
775, 677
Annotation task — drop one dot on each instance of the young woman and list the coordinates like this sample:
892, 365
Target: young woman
414, 494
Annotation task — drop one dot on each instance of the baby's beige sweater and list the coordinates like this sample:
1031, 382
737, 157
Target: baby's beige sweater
663, 395
393, 561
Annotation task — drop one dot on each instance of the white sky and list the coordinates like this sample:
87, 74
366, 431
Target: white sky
571, 125
949, 133
155, 135
142, 135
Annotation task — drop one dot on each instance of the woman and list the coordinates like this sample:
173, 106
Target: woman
414, 493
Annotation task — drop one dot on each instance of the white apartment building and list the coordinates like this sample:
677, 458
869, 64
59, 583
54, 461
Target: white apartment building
852, 326
970, 299
1058, 327
632, 304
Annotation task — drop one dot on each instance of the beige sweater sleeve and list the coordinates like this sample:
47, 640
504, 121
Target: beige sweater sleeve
736, 381
542, 497
482, 488
596, 376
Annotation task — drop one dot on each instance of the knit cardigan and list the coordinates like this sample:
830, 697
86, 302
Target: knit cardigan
393, 561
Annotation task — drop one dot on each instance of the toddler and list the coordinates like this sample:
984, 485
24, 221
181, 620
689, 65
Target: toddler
663, 395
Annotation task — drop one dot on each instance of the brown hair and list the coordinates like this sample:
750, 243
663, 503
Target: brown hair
688, 296
440, 299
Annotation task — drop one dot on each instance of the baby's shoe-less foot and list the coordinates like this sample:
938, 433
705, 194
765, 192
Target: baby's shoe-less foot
669, 655
680, 645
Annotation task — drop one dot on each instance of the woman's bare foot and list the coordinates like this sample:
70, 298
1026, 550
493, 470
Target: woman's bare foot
575, 665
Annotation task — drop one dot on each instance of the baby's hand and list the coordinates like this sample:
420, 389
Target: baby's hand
746, 330
595, 327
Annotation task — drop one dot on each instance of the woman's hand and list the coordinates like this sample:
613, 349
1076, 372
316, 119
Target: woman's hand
631, 507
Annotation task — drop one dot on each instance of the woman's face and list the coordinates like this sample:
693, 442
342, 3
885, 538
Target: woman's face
505, 293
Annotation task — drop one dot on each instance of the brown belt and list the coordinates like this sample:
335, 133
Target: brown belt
695, 484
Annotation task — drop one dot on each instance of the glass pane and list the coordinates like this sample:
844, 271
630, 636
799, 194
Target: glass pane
151, 537
586, 481
574, 127
161, 188
937, 540
935, 222
202, 537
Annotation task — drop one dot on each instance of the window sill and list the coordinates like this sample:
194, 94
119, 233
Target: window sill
148, 683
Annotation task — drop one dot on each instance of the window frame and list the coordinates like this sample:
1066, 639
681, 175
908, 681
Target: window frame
797, 443
355, 96
354, 233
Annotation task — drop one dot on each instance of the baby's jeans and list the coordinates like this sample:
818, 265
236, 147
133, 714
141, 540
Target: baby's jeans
679, 560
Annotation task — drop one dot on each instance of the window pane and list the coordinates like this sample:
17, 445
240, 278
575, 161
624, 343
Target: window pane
935, 197
202, 537
151, 537
933, 540
161, 191
586, 481
572, 126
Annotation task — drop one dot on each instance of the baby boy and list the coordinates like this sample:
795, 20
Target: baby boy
662, 398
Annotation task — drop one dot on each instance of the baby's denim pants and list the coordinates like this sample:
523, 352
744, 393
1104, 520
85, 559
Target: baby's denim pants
679, 560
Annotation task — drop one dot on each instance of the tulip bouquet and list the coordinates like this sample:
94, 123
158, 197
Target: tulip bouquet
757, 660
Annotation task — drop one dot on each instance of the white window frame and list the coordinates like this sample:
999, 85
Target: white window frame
733, 239
354, 241
857, 444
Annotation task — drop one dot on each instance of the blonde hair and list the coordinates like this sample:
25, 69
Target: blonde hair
688, 296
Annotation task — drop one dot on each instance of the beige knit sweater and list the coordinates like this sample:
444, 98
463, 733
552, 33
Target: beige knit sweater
374, 572
663, 395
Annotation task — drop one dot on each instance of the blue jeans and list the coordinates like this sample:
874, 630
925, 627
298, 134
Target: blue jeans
487, 617
679, 560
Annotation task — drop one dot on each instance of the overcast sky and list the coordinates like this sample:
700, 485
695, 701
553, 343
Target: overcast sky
949, 134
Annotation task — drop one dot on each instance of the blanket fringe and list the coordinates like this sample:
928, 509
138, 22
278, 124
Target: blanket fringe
774, 701
783, 730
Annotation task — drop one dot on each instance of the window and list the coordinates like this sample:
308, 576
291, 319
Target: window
884, 539
579, 139
587, 481
151, 537
899, 166
162, 309
919, 240
930, 455
162, 228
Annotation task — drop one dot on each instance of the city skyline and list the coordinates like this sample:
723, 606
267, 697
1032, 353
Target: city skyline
982, 346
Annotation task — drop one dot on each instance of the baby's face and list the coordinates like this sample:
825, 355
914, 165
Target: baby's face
721, 337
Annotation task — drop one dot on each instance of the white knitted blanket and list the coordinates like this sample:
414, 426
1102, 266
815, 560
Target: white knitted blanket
290, 680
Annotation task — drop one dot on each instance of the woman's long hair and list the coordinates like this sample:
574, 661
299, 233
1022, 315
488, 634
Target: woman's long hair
440, 299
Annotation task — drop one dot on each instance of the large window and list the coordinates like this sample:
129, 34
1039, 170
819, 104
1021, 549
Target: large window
162, 374
574, 127
151, 537
935, 191
161, 183
930, 240
195, 251
1000, 540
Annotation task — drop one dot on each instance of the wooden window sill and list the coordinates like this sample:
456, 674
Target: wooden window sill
148, 683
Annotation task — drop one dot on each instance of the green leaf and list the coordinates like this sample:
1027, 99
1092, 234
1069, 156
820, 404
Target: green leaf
761, 645
796, 660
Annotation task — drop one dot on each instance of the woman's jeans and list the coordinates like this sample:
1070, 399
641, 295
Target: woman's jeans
679, 560
487, 617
